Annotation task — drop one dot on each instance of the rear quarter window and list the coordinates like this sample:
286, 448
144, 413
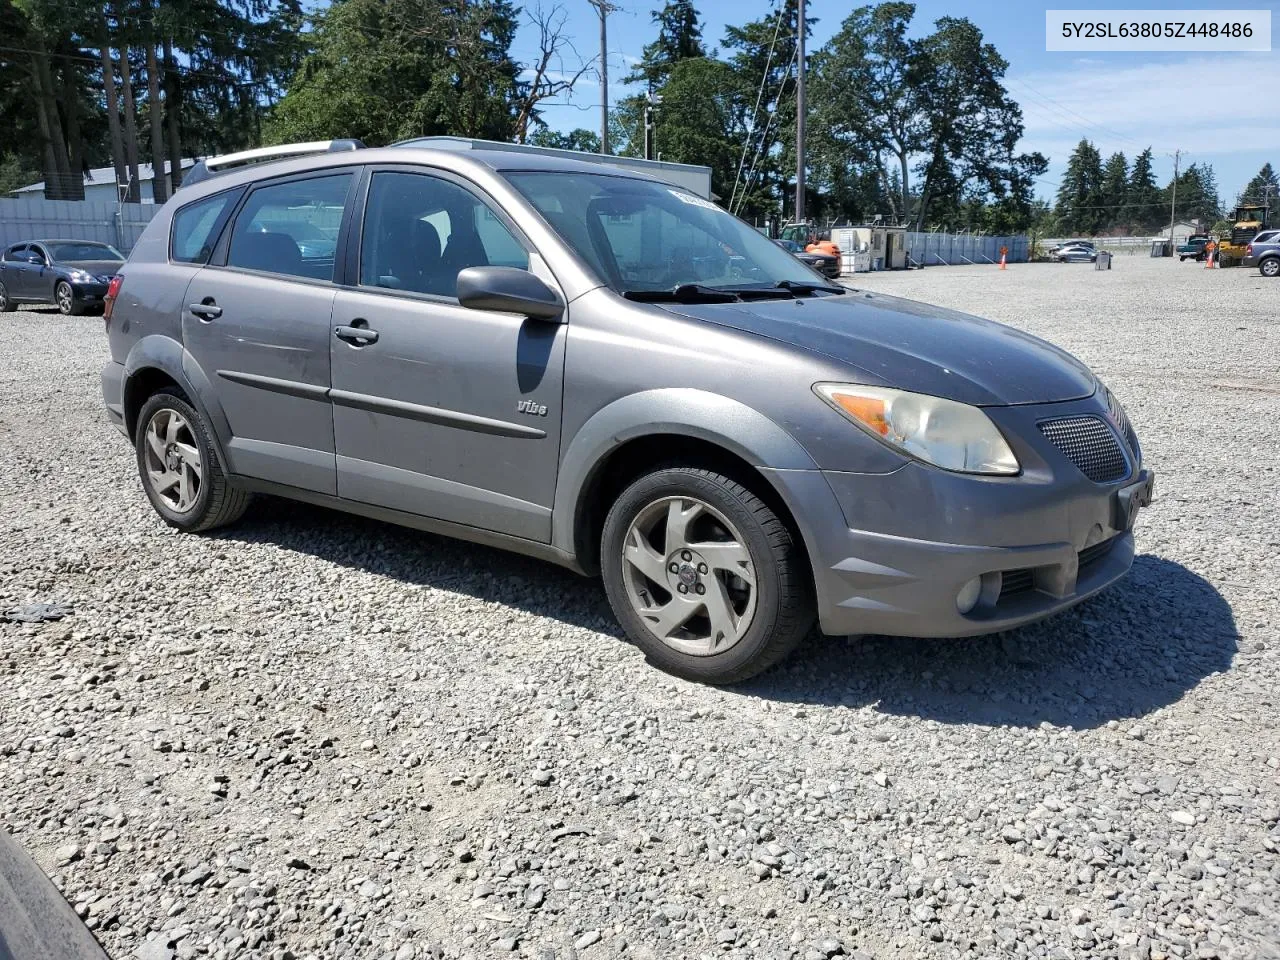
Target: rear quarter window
196, 227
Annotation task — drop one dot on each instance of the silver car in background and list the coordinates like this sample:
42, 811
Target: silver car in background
607, 371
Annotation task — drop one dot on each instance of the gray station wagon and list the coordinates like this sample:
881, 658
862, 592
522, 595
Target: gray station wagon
608, 371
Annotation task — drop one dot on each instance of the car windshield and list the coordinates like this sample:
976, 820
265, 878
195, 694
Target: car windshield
644, 237
64, 252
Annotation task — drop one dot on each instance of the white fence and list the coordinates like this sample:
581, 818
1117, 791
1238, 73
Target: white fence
937, 248
34, 219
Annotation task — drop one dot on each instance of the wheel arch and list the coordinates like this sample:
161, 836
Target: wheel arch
156, 362
622, 440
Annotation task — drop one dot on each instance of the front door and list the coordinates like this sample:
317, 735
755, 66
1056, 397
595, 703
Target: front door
259, 326
440, 410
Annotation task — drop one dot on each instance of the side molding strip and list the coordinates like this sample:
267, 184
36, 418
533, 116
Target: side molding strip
447, 418
291, 388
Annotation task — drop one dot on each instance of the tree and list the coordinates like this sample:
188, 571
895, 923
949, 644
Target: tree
386, 70
1079, 200
679, 38
1264, 187
1145, 203
1115, 186
549, 77
1197, 195
587, 141
868, 101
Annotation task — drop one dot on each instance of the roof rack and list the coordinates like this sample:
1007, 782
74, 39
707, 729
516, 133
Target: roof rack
213, 166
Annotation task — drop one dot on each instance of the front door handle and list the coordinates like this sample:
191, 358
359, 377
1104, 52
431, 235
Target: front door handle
356, 336
206, 309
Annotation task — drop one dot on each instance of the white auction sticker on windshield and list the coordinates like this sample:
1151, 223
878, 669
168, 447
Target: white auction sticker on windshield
692, 200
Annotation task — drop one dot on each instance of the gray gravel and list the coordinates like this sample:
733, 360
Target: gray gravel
312, 735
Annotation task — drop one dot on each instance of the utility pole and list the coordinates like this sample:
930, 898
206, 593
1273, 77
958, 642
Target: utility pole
604, 8
651, 100
1173, 201
800, 106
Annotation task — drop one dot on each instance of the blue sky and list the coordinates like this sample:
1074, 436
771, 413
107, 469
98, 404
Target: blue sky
1207, 105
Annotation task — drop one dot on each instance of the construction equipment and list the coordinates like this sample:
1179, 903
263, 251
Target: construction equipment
1250, 219
810, 238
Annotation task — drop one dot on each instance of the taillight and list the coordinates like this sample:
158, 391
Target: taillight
1248, 249
109, 301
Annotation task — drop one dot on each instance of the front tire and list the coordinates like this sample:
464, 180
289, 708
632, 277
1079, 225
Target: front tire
6, 304
1270, 267
66, 300
179, 467
703, 575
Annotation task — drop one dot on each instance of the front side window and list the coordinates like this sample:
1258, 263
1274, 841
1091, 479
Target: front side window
642, 236
420, 231
291, 228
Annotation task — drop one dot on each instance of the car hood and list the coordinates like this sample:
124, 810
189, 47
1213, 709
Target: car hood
96, 267
913, 346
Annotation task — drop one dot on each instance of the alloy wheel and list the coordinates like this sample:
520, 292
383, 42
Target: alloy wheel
172, 457
1270, 268
689, 575
4, 297
64, 296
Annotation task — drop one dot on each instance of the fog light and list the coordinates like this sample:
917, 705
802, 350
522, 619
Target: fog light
968, 596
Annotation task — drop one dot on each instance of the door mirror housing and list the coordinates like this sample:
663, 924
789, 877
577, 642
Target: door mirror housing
509, 290
35, 258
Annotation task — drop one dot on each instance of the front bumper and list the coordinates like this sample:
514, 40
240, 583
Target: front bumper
891, 552
89, 293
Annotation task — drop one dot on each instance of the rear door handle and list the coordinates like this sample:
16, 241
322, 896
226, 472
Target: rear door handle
356, 336
205, 311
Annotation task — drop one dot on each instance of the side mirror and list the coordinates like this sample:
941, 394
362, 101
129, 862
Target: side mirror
36, 259
509, 290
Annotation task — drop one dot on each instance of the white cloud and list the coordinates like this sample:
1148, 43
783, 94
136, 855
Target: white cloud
1197, 104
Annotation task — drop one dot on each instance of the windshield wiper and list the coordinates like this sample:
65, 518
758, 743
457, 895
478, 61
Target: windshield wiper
804, 286
684, 293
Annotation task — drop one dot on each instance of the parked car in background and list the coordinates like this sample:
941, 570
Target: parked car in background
71, 274
607, 371
1074, 252
825, 263
1193, 248
1263, 252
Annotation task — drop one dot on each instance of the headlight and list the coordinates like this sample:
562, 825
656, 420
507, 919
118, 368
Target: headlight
79, 276
947, 434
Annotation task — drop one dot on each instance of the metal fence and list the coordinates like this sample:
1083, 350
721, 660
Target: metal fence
936, 248
33, 219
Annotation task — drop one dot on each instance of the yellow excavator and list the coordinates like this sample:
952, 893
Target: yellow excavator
1250, 220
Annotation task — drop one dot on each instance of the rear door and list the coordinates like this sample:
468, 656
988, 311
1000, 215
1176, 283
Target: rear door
257, 321
11, 269
450, 413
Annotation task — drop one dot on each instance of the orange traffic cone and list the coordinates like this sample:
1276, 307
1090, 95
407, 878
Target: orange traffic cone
1002, 261
1210, 250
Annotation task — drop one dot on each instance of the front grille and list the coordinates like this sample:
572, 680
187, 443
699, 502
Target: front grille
1090, 444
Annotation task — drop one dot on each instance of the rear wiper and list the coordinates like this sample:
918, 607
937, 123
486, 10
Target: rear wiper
684, 293
804, 286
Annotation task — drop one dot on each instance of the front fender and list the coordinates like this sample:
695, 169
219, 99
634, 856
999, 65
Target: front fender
676, 411
158, 352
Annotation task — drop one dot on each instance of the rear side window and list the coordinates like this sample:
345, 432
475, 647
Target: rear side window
196, 227
1269, 237
16, 252
291, 228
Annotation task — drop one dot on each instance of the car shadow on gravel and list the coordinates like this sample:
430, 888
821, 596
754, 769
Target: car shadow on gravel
417, 558
1136, 647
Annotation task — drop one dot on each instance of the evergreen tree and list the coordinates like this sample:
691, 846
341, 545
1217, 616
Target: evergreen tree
679, 38
1080, 193
586, 141
1265, 186
1144, 201
1115, 186
1197, 195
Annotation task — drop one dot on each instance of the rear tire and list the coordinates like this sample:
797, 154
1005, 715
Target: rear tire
769, 606
179, 467
1270, 267
6, 305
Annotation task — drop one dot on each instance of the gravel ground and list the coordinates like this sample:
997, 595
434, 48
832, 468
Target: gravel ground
312, 735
